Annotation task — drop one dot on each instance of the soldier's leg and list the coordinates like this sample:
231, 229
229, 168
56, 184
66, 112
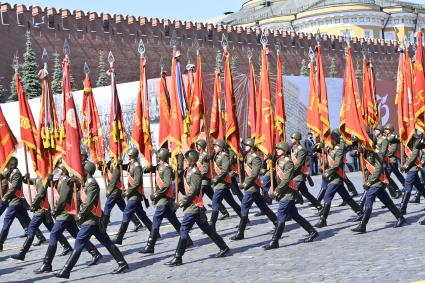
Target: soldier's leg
153, 236
231, 201
408, 186
93, 251
350, 186
129, 211
387, 201
136, 222
208, 191
393, 188
111, 200
304, 191
34, 223
282, 214
247, 201
201, 220
216, 201
7, 222
304, 223
330, 192
140, 212
349, 200
369, 200
235, 189
3, 207
49, 223
186, 226
322, 191
262, 205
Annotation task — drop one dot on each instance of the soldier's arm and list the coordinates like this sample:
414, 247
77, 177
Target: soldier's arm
167, 174
180, 162
195, 186
302, 155
114, 179
92, 195
410, 162
132, 190
225, 167
63, 197
338, 162
374, 178
384, 149
15, 181
289, 173
256, 167
41, 194
205, 167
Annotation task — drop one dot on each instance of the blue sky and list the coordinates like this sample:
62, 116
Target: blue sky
194, 10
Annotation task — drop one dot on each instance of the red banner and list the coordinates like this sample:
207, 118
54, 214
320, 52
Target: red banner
279, 115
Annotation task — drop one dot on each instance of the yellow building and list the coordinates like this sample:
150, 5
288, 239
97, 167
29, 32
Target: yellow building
383, 19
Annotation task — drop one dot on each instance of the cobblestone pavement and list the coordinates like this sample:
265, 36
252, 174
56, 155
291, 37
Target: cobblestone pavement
384, 254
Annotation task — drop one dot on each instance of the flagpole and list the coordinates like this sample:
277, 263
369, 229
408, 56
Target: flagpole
27, 173
52, 190
152, 183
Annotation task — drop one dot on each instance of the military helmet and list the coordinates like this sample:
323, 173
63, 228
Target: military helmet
133, 152
283, 146
296, 136
202, 143
249, 142
335, 134
389, 127
192, 155
163, 154
220, 143
89, 168
379, 128
84, 153
62, 167
13, 162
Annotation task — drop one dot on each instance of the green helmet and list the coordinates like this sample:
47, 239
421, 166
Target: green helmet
192, 155
84, 153
296, 136
389, 127
249, 142
163, 154
63, 168
379, 128
133, 152
202, 143
13, 162
220, 143
283, 146
335, 134
89, 168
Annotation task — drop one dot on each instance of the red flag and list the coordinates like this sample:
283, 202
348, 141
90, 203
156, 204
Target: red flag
313, 111
232, 130
216, 122
117, 136
8, 142
419, 85
164, 107
177, 110
27, 123
252, 100
280, 115
265, 138
91, 125
322, 94
404, 99
48, 148
197, 107
141, 131
351, 120
369, 106
71, 156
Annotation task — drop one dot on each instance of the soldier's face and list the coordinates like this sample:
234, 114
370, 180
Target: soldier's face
279, 152
293, 141
197, 147
217, 149
247, 148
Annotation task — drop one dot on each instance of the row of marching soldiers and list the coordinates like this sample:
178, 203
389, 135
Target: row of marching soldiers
210, 173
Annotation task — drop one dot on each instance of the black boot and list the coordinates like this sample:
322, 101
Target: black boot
361, 228
224, 213
312, 233
121, 232
213, 219
177, 260
274, 243
392, 188
137, 224
241, 229
150, 245
343, 203
105, 221
422, 222
403, 204
119, 258
25, 248
325, 212
3, 237
321, 194
396, 212
65, 245
362, 200
47, 261
417, 198
218, 240
350, 187
69, 265
96, 256
40, 238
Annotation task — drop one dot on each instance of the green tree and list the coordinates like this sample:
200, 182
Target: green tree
304, 68
3, 91
57, 74
30, 79
13, 92
333, 73
103, 79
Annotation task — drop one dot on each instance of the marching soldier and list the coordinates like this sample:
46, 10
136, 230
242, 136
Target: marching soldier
299, 158
41, 209
135, 194
285, 193
64, 213
221, 182
114, 195
163, 198
251, 185
204, 167
14, 200
89, 220
194, 211
392, 152
375, 187
333, 176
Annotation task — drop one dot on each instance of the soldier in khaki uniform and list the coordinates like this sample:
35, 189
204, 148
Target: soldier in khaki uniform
252, 184
393, 152
135, 194
89, 220
221, 182
299, 158
163, 198
194, 211
285, 193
